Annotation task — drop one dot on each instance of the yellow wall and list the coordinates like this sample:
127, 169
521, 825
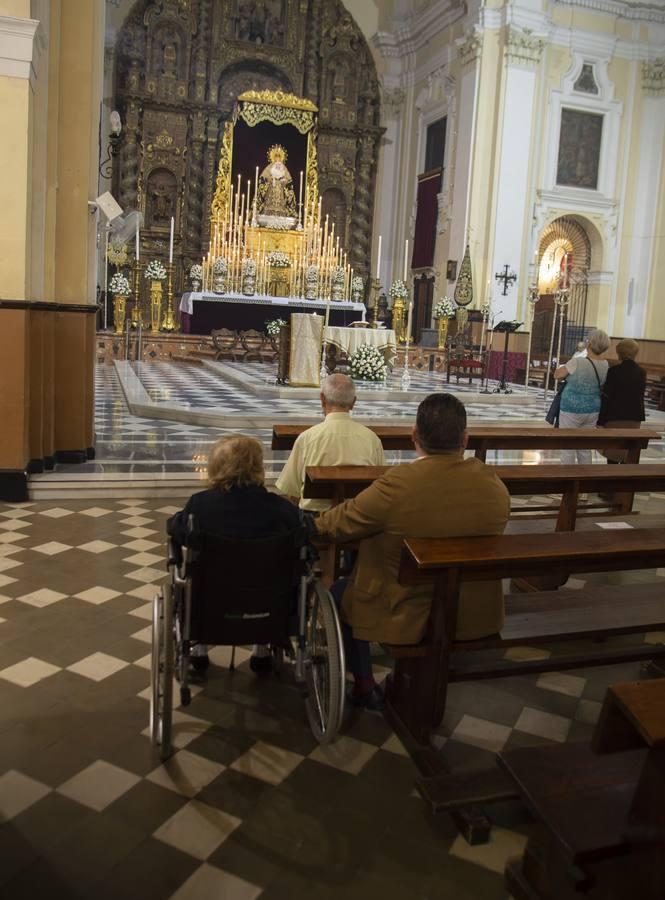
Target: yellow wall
15, 187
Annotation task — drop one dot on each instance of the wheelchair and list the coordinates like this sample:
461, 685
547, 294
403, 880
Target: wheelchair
233, 592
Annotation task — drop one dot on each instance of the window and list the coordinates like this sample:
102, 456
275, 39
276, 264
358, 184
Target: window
586, 81
435, 145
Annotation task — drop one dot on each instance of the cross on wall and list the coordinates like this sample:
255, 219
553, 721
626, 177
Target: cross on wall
506, 278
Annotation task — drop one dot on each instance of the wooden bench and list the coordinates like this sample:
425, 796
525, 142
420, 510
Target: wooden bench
599, 807
416, 690
339, 483
504, 437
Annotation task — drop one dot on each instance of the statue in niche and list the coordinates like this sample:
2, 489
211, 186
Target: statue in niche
260, 21
161, 192
169, 59
276, 202
337, 77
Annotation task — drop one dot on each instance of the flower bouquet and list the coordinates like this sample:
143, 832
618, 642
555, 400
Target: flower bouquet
444, 309
248, 276
277, 259
220, 269
368, 364
338, 276
119, 285
155, 271
311, 282
196, 276
399, 290
273, 326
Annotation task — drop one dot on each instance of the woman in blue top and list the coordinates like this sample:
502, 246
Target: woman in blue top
580, 400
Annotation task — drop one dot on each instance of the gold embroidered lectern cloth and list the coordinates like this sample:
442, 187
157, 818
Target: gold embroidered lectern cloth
306, 335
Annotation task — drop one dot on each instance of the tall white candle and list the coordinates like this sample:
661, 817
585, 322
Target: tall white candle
378, 257
406, 260
170, 242
300, 190
136, 253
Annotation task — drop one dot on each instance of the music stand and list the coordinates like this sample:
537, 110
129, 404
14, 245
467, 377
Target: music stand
507, 328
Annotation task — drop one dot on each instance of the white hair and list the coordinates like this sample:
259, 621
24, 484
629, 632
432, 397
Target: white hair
339, 390
598, 341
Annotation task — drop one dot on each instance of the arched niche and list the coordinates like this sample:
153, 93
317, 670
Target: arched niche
248, 75
161, 197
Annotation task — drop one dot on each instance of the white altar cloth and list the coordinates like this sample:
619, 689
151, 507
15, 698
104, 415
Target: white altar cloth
349, 339
187, 302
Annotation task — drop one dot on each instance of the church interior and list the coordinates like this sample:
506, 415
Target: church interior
385, 273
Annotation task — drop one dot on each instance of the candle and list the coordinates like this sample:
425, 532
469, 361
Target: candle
256, 184
137, 242
300, 190
171, 243
406, 260
249, 194
408, 324
378, 257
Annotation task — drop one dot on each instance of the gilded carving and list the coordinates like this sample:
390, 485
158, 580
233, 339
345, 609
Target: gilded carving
522, 47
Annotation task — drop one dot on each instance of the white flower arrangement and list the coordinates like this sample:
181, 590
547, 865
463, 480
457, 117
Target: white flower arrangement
368, 364
220, 266
278, 259
119, 285
196, 272
155, 271
444, 309
273, 326
338, 274
398, 289
312, 273
357, 283
249, 267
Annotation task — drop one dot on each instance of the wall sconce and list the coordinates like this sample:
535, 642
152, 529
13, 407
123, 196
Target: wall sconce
113, 146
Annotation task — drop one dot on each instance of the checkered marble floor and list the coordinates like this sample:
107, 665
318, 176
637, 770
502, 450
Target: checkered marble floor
249, 806
136, 445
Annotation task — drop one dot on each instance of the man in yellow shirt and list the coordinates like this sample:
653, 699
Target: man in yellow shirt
337, 441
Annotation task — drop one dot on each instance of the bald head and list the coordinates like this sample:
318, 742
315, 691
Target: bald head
338, 393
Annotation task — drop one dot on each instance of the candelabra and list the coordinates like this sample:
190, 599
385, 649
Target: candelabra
137, 317
168, 322
373, 305
560, 307
532, 299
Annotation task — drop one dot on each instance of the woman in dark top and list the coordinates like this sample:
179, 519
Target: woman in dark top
622, 403
235, 505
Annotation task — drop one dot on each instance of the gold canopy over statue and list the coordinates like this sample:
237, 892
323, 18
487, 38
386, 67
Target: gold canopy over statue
267, 241
276, 199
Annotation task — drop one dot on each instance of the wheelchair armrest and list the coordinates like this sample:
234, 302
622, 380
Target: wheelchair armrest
177, 568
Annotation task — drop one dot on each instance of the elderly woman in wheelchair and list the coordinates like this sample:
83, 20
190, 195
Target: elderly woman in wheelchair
240, 573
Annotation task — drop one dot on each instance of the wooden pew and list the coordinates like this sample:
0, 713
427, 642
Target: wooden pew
417, 701
504, 437
338, 483
416, 690
599, 807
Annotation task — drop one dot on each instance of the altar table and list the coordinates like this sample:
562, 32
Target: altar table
349, 339
201, 313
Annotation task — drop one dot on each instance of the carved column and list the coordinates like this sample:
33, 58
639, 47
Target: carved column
195, 215
312, 59
209, 169
362, 206
129, 158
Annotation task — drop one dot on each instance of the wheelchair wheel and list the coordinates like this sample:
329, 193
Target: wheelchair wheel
161, 700
325, 669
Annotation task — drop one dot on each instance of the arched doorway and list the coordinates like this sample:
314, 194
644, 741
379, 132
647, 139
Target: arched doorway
564, 261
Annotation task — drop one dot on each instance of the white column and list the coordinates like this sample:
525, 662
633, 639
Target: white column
469, 53
513, 208
647, 191
386, 211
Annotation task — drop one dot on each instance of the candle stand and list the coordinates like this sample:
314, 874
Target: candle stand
168, 322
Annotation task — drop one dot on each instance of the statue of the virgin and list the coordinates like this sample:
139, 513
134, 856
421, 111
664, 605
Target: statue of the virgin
276, 202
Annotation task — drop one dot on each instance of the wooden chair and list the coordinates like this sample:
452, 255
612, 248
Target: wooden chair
226, 342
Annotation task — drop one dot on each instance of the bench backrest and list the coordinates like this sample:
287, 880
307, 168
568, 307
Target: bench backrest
497, 437
341, 482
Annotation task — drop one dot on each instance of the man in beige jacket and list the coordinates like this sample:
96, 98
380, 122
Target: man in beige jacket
440, 494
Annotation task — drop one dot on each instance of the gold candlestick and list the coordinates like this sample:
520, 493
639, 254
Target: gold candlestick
137, 315
373, 305
168, 322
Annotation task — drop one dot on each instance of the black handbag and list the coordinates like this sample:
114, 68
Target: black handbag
553, 412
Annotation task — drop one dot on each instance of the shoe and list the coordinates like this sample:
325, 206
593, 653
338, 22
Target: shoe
200, 663
373, 700
261, 665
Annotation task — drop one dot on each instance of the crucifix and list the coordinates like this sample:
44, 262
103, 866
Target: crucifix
506, 278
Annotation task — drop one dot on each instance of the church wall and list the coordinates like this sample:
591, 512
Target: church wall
15, 188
